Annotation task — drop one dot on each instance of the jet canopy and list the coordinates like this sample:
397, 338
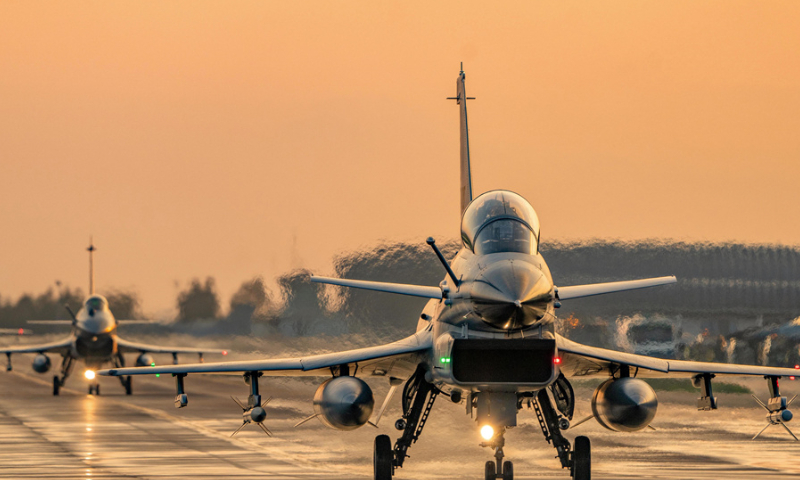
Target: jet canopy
96, 302
500, 221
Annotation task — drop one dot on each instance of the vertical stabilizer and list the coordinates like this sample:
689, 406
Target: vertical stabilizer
91, 250
465, 190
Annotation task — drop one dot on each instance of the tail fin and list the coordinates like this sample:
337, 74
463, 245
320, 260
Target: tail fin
91, 250
466, 173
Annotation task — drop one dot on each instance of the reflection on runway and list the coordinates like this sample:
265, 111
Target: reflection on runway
143, 436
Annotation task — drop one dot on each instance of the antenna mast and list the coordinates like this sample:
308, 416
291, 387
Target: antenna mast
91, 250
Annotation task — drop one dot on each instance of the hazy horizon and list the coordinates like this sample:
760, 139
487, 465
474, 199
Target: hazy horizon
245, 139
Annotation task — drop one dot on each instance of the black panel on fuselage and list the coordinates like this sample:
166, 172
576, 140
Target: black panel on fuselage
503, 360
100, 346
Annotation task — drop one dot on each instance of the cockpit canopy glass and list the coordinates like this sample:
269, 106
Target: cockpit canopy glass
96, 303
500, 221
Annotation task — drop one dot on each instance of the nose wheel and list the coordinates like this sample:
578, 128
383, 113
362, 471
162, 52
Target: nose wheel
492, 473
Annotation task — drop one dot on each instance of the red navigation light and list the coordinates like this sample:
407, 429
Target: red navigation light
557, 360
21, 331
791, 378
224, 352
797, 367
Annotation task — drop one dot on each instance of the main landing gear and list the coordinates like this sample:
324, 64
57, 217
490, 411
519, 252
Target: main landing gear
418, 398
127, 382
66, 368
94, 389
579, 459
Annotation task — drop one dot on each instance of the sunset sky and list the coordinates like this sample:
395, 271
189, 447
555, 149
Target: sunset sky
236, 139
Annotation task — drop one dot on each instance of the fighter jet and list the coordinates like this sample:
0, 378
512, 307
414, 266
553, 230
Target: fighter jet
485, 340
94, 340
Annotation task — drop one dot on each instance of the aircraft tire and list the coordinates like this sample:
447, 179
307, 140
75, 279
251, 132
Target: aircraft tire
129, 386
582, 458
490, 470
508, 471
91, 389
382, 459
56, 385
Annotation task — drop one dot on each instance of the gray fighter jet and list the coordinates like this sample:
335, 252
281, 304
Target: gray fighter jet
485, 340
94, 340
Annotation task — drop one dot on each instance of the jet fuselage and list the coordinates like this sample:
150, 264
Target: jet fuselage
499, 316
95, 333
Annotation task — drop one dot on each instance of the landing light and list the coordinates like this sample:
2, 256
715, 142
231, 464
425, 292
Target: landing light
89, 374
487, 432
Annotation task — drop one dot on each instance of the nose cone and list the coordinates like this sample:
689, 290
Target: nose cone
511, 295
98, 324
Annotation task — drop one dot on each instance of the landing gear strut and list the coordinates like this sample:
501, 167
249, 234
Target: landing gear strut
498, 469
418, 398
127, 382
578, 460
66, 368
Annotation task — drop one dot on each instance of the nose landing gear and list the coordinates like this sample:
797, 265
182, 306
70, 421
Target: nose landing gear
498, 469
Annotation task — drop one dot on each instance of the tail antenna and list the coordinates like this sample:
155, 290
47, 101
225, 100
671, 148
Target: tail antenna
91, 250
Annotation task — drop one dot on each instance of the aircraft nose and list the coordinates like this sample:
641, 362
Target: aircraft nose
511, 294
98, 324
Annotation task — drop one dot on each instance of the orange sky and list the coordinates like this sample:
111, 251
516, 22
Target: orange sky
236, 139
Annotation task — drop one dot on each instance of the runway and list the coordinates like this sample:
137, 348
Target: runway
144, 437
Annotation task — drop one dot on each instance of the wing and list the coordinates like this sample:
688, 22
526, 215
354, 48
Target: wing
578, 291
564, 293
397, 359
61, 346
583, 360
399, 288
72, 322
125, 346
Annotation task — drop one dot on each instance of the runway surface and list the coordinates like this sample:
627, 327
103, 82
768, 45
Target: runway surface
143, 436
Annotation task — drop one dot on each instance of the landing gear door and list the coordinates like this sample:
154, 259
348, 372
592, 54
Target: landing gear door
442, 361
